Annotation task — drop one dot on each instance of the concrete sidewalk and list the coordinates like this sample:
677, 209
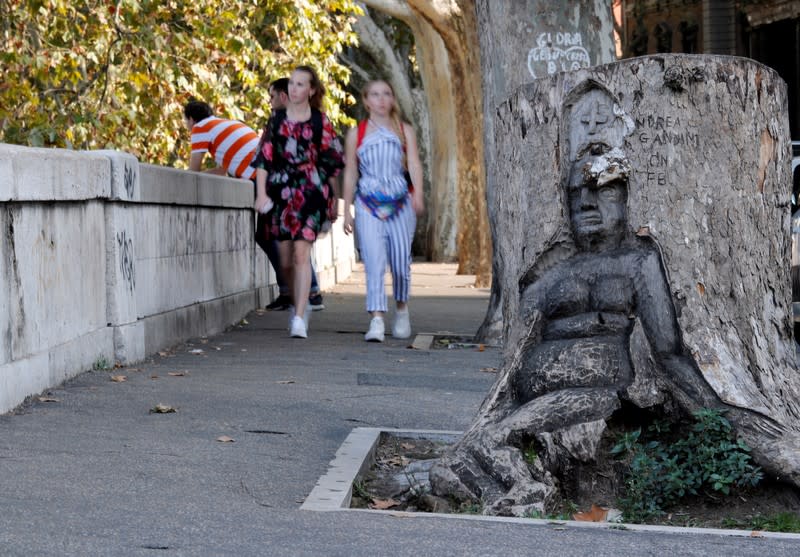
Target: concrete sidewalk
95, 473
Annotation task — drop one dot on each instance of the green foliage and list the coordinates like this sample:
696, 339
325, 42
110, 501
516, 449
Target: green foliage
708, 457
566, 512
470, 508
360, 490
530, 455
101, 363
93, 74
779, 522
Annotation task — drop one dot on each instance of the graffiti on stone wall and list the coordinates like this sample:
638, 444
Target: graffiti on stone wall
129, 179
557, 52
126, 262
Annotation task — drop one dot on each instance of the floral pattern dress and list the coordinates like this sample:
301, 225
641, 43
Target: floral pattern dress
298, 171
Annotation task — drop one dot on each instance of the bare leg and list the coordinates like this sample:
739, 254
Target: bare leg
285, 249
301, 284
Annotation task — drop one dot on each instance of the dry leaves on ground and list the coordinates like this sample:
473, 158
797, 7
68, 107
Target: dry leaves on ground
162, 409
489, 369
595, 514
182, 373
383, 504
48, 399
118, 378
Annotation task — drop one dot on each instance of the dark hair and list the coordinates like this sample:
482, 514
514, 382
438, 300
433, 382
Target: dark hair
319, 90
281, 85
197, 110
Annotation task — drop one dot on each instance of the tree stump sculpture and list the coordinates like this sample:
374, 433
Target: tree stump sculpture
642, 228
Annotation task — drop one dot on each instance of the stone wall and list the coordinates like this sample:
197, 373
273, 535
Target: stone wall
103, 259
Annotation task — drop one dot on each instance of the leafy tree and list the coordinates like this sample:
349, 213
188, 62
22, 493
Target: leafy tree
95, 74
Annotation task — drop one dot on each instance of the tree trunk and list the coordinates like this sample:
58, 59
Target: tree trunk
411, 100
446, 37
642, 225
521, 41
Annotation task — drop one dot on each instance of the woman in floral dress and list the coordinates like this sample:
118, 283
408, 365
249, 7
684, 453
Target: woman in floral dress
296, 163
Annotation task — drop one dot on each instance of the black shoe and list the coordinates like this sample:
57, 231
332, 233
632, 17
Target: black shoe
281, 303
315, 301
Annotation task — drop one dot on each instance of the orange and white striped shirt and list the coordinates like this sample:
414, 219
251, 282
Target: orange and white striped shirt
232, 144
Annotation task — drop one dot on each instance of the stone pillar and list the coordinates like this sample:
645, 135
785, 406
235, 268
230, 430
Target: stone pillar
121, 279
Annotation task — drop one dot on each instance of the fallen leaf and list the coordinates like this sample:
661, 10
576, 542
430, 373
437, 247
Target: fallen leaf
407, 446
383, 504
401, 360
595, 514
397, 460
203, 341
162, 409
756, 534
178, 373
49, 399
118, 378
244, 322
225, 439
481, 348
401, 515
196, 351
154, 376
285, 382
489, 369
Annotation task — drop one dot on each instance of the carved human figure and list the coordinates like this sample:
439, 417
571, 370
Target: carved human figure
599, 331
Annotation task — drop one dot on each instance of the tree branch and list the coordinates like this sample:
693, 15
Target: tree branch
396, 8
374, 41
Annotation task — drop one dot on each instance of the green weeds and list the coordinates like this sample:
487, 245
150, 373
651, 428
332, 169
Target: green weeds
708, 457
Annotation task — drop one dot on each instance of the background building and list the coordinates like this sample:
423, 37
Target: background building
764, 30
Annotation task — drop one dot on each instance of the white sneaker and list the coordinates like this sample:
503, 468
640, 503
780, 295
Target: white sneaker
402, 325
376, 330
298, 329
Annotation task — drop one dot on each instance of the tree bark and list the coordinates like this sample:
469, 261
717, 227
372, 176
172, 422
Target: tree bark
520, 41
705, 318
446, 37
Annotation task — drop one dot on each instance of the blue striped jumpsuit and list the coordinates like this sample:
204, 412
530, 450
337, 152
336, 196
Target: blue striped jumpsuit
384, 240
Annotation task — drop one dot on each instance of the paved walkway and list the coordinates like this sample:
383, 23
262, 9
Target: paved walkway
95, 473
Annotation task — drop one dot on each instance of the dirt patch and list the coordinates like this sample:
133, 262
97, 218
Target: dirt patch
398, 480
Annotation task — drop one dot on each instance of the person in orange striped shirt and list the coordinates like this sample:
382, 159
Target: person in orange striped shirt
231, 143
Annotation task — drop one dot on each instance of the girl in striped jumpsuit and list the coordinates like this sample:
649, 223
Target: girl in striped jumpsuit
377, 154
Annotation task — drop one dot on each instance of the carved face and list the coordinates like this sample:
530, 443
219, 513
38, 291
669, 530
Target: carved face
597, 207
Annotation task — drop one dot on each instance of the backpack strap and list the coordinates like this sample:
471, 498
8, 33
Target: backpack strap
316, 126
276, 120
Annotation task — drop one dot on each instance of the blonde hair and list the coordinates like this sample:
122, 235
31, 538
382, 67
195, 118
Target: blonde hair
395, 114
